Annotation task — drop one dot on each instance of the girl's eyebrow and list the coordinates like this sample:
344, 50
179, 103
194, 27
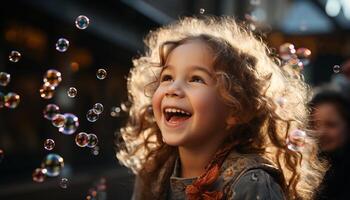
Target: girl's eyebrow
193, 67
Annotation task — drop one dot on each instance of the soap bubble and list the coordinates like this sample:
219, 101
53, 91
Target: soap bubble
82, 22
296, 64
115, 111
336, 68
101, 74
52, 77
14, 56
49, 144
98, 108
4, 78
286, 51
58, 120
93, 140
71, 124
72, 92
296, 140
39, 175
53, 163
91, 115
64, 183
12, 100
95, 151
304, 55
202, 11
82, 139
50, 111
62, 45
47, 91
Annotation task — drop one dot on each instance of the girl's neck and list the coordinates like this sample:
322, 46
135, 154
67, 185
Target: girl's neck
194, 159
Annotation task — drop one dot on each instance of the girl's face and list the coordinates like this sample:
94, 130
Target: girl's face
330, 127
186, 105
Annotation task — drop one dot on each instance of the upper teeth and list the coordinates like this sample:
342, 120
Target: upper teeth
174, 110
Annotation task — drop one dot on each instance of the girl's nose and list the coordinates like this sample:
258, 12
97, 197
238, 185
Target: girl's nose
174, 90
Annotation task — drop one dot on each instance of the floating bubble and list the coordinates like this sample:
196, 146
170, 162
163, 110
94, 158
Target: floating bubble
101, 74
296, 140
296, 64
53, 77
58, 120
47, 91
2, 100
304, 55
82, 139
72, 92
12, 100
39, 175
14, 56
93, 140
71, 124
287, 51
202, 11
336, 68
115, 111
53, 163
95, 151
82, 22
62, 45
4, 78
64, 183
91, 115
98, 108
50, 111
49, 144
2, 155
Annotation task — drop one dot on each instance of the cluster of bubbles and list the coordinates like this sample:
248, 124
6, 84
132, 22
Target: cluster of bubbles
51, 80
98, 190
11, 99
93, 114
116, 111
66, 123
101, 74
296, 140
83, 139
297, 58
14, 56
51, 166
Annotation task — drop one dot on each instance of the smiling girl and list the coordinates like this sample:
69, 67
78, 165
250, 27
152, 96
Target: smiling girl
204, 121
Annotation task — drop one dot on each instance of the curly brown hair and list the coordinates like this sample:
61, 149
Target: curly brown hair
249, 81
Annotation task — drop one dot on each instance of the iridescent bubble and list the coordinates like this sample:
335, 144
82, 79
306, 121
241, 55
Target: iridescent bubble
49, 144
53, 163
64, 183
71, 124
296, 64
82, 139
98, 108
202, 11
4, 78
50, 111
101, 74
82, 22
72, 92
39, 175
53, 77
14, 56
115, 111
2, 100
91, 115
296, 140
304, 55
287, 51
95, 151
336, 68
58, 120
93, 140
2, 155
47, 91
62, 45
12, 100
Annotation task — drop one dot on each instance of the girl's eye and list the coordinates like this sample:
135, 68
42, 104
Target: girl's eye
197, 79
165, 78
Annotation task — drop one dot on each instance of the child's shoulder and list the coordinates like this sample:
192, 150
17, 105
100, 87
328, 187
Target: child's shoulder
249, 176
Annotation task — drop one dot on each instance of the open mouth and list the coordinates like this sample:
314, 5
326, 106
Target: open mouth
176, 114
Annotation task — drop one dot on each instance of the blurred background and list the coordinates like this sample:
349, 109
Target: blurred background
114, 36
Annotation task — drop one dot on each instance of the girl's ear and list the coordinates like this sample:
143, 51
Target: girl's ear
230, 122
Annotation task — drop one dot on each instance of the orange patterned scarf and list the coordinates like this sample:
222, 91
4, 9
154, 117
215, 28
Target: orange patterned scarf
198, 190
